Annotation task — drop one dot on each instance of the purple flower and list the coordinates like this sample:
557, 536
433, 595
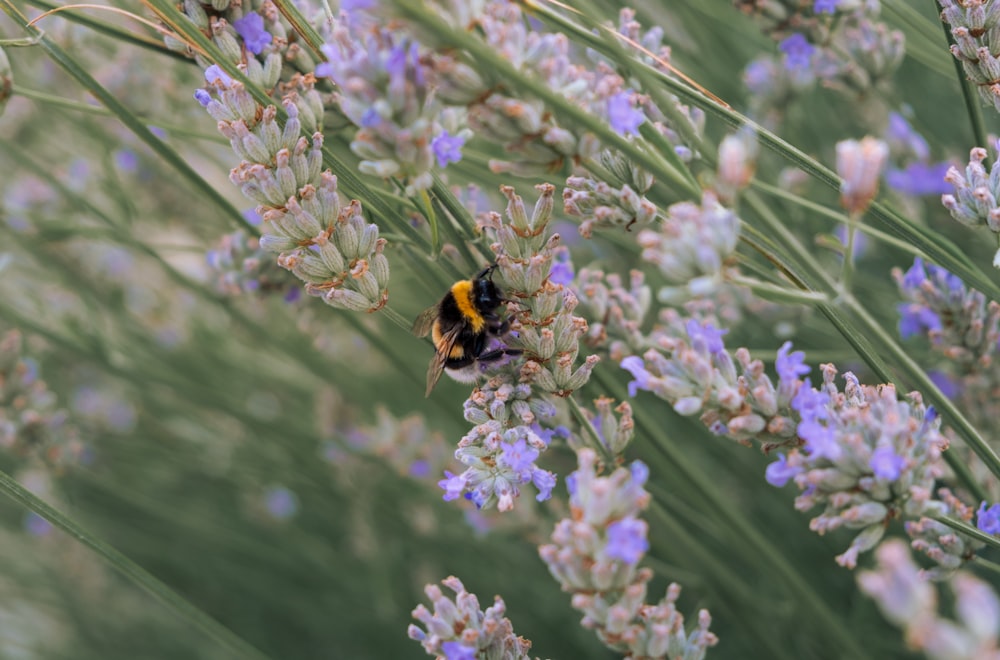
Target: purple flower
825, 6
562, 269
635, 366
215, 74
798, 52
36, 525
458, 651
623, 117
519, 457
916, 319
251, 29
988, 520
627, 540
202, 97
821, 440
447, 148
251, 216
916, 275
544, 481
639, 472
281, 502
453, 486
780, 472
886, 464
356, 5
706, 336
950, 387
126, 160
810, 403
900, 131
790, 366
920, 179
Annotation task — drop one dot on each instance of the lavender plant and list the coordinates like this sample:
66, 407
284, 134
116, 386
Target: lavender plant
276, 462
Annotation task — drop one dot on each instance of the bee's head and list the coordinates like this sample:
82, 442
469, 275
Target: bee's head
485, 294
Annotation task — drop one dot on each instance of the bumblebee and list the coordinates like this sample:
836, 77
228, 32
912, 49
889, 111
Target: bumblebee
466, 329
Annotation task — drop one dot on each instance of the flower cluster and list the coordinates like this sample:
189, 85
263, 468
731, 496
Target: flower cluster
240, 265
697, 375
459, 630
382, 87
975, 199
544, 325
691, 247
959, 322
975, 26
618, 202
939, 542
864, 455
331, 248
613, 432
840, 43
868, 458
595, 555
31, 423
616, 313
500, 451
909, 601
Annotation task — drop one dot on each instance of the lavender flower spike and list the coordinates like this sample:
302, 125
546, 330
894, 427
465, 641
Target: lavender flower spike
594, 555
458, 629
976, 200
909, 601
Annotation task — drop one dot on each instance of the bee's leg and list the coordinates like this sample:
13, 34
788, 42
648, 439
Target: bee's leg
498, 354
458, 363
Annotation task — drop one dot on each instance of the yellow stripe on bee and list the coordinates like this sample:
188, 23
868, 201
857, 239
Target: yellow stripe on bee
462, 292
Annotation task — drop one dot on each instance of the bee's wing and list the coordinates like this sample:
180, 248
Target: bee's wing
423, 323
441, 353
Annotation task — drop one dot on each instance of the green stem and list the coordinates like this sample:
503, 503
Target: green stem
135, 573
968, 530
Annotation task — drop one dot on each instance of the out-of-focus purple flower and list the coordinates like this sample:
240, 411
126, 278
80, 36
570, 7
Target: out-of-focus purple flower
251, 29
901, 137
281, 502
920, 179
251, 216
810, 403
790, 365
458, 651
886, 464
447, 148
214, 74
825, 6
780, 472
623, 116
635, 366
158, 132
627, 540
544, 481
562, 269
453, 486
916, 319
706, 335
988, 519
798, 52
35, 525
821, 440
949, 386
126, 160
202, 97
